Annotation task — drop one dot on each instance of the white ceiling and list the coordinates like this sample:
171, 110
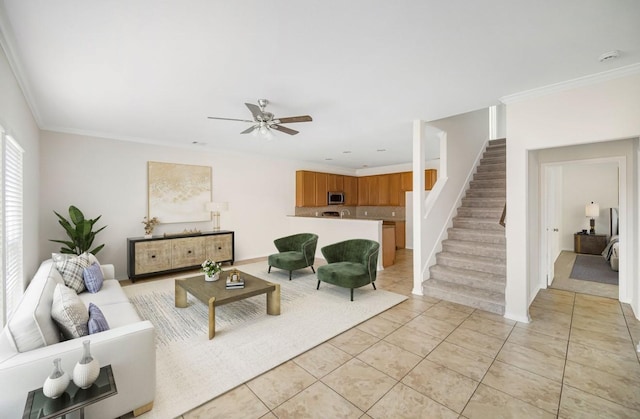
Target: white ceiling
153, 70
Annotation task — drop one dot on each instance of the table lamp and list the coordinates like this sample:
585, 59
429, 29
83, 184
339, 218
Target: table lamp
215, 208
592, 211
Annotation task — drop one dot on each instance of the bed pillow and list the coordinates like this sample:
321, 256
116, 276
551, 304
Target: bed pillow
72, 269
69, 312
97, 323
93, 278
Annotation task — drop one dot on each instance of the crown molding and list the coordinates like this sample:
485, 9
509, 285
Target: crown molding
8, 46
572, 84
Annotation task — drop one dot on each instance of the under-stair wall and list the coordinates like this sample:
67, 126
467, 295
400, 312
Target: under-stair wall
471, 268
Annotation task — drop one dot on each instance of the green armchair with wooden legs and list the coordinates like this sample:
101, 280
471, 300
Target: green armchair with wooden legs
295, 252
350, 264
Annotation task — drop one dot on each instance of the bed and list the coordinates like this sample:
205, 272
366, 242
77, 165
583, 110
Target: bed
611, 252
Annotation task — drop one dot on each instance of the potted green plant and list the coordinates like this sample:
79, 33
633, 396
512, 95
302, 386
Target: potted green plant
80, 232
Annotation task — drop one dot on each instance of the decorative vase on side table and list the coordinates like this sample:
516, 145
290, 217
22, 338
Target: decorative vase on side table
87, 369
57, 382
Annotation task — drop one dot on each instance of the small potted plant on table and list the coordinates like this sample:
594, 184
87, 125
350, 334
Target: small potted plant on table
211, 270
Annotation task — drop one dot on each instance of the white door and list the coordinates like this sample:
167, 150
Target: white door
553, 215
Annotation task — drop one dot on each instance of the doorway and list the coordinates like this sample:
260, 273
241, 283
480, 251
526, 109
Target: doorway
566, 188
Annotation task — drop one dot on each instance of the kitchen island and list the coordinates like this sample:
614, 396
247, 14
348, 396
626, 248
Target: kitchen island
334, 229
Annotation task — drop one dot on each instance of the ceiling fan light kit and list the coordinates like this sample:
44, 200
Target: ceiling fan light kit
263, 121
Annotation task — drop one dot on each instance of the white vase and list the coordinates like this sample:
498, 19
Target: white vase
148, 236
57, 382
213, 277
87, 369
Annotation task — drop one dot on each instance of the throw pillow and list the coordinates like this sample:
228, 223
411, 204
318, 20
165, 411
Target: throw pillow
97, 323
69, 312
93, 278
71, 270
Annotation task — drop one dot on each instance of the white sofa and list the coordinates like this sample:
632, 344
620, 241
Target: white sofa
31, 341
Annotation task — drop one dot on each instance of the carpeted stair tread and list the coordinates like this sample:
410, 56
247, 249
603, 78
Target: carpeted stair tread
479, 236
469, 296
472, 248
472, 263
487, 193
483, 202
477, 223
496, 174
482, 280
480, 212
492, 167
488, 183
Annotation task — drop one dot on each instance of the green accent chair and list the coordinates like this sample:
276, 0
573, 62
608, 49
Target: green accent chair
350, 264
295, 252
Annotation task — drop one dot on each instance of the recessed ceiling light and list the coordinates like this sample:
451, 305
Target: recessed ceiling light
609, 55
381, 149
365, 165
328, 158
198, 143
346, 152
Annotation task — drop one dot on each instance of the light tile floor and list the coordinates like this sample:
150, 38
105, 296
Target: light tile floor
431, 358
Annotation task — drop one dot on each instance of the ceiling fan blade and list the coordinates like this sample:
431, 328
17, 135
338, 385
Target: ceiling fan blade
290, 119
230, 119
284, 129
255, 111
250, 129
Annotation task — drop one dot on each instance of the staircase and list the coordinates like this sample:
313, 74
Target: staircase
471, 268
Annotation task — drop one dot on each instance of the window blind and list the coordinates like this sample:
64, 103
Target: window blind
11, 229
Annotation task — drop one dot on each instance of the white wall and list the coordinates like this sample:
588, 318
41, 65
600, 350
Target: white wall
607, 110
18, 121
582, 184
109, 178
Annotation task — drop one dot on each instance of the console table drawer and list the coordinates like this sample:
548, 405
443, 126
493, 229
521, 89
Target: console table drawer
219, 247
187, 252
152, 257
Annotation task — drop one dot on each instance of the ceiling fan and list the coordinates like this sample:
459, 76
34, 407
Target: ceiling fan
263, 122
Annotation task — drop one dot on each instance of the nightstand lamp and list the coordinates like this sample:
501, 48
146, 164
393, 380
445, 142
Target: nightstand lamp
215, 208
592, 211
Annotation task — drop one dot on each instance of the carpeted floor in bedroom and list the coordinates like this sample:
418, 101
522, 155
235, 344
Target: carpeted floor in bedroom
576, 358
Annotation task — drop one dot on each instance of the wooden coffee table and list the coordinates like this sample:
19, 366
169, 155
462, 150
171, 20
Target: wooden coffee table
215, 294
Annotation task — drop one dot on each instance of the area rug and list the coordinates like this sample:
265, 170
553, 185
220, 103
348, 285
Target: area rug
593, 268
191, 369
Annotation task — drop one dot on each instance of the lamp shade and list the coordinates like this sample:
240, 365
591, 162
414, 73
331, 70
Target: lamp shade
217, 206
592, 210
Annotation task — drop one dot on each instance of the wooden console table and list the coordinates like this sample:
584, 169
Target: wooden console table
592, 244
148, 257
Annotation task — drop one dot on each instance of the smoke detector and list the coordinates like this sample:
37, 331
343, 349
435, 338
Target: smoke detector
608, 56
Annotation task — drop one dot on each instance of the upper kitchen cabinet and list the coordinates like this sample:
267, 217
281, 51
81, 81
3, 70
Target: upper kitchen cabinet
335, 183
363, 190
430, 177
322, 187
383, 190
305, 189
350, 185
396, 194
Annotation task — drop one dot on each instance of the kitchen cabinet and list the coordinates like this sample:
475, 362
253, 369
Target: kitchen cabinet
388, 245
406, 181
396, 194
147, 257
430, 177
383, 190
374, 191
350, 185
335, 183
363, 190
321, 189
400, 233
305, 189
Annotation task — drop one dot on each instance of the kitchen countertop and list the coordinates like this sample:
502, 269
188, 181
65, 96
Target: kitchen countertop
349, 218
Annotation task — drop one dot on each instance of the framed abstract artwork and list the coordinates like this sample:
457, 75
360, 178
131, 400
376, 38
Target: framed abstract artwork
178, 193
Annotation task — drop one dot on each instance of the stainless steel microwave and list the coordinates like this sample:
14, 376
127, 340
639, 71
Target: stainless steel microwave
335, 198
